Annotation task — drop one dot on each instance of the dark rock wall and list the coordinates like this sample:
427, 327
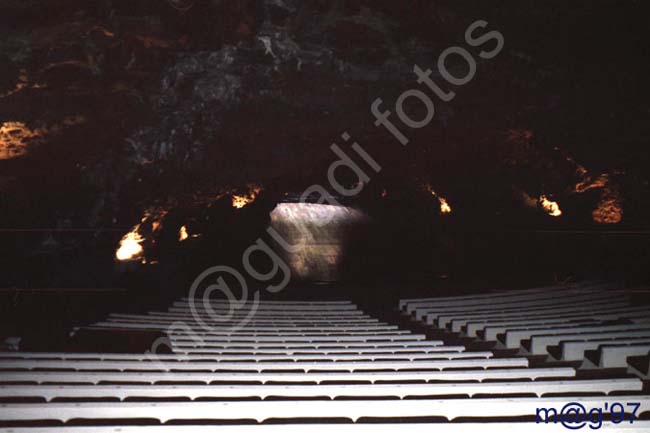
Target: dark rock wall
128, 105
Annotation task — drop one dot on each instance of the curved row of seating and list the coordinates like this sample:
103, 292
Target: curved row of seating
599, 325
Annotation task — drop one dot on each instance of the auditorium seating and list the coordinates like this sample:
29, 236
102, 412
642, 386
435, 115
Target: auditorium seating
597, 325
330, 367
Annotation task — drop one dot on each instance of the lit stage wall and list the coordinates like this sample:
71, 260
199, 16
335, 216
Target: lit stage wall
319, 232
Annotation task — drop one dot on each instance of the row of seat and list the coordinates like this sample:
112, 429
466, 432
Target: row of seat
332, 391
600, 325
494, 427
353, 410
452, 375
480, 360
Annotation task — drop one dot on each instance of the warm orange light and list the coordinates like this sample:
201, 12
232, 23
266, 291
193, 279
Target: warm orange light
13, 138
609, 210
240, 201
16, 136
151, 223
130, 246
589, 183
445, 208
551, 207
182, 234
157, 216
